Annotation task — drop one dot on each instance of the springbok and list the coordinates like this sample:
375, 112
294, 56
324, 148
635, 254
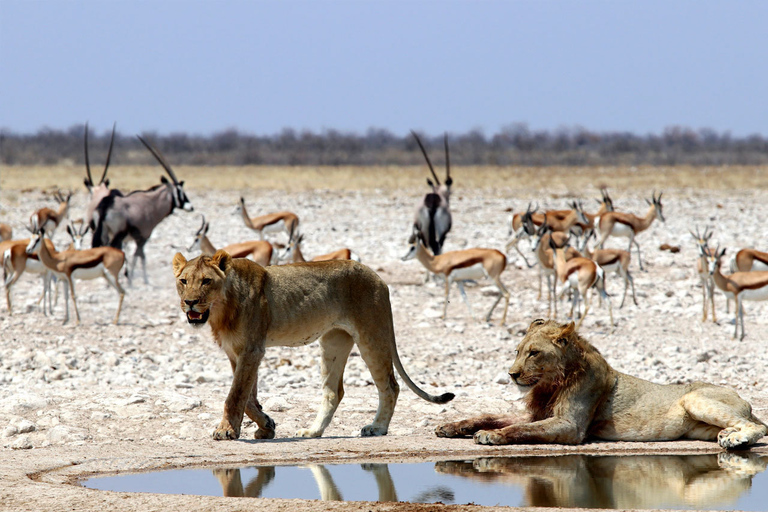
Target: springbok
271, 222
739, 286
135, 215
77, 234
546, 258
6, 232
100, 191
460, 266
16, 261
49, 219
522, 225
702, 270
433, 215
69, 265
260, 251
580, 275
294, 255
748, 260
629, 225
587, 231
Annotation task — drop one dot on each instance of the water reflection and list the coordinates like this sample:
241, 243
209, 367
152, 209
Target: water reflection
619, 482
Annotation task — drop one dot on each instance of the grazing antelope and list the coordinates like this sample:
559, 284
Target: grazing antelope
433, 215
546, 259
49, 219
615, 260
260, 251
629, 225
6, 232
103, 262
702, 270
16, 261
460, 266
739, 286
271, 222
294, 255
580, 275
100, 191
135, 215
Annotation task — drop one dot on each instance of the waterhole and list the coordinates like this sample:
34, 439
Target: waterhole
720, 481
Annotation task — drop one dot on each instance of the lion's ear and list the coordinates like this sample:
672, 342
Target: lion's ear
178, 263
222, 259
566, 332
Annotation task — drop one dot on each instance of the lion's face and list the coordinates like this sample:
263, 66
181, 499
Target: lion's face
542, 355
200, 284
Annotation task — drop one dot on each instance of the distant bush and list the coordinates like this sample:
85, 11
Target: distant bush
515, 144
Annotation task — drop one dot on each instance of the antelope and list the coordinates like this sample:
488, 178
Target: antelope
260, 251
739, 286
630, 225
16, 261
747, 260
587, 230
77, 235
294, 255
48, 219
100, 191
522, 225
580, 275
6, 232
702, 270
460, 266
433, 215
103, 262
271, 222
136, 215
545, 257
615, 260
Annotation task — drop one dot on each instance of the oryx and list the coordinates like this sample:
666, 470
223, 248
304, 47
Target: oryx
135, 215
433, 215
100, 191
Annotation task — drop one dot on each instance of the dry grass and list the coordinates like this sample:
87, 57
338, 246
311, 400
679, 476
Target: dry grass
557, 179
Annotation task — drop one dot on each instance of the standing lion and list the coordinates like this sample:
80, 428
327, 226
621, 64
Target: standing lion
572, 393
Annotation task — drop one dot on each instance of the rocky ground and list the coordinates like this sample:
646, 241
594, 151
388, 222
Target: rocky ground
148, 392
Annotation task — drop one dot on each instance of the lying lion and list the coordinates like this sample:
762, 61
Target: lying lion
250, 307
572, 393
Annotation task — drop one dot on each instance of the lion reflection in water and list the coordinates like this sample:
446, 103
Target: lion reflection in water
619, 482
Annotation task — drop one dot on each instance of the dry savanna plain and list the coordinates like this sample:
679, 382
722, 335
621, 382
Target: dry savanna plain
147, 393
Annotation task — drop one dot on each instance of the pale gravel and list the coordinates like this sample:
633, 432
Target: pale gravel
148, 392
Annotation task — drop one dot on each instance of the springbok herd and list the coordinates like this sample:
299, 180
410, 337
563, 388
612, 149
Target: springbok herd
557, 241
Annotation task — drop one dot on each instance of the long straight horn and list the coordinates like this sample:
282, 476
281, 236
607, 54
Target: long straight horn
109, 154
156, 153
448, 179
88, 179
429, 163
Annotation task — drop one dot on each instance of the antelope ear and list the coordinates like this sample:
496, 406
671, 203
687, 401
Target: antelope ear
106, 182
163, 179
179, 261
222, 260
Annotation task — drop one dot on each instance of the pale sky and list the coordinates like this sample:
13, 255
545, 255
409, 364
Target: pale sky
206, 66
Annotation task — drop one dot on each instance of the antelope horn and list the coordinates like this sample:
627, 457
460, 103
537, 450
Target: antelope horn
109, 154
429, 163
447, 161
87, 163
156, 153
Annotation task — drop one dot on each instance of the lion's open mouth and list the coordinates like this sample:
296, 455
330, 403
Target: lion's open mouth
195, 317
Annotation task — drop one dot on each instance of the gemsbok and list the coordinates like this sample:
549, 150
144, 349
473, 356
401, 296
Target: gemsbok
102, 190
136, 215
739, 286
49, 219
580, 275
260, 251
629, 225
460, 266
69, 265
433, 214
271, 222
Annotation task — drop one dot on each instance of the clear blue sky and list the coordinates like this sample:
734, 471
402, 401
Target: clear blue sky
205, 66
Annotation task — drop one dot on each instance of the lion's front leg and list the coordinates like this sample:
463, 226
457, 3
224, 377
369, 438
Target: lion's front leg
551, 430
466, 428
245, 368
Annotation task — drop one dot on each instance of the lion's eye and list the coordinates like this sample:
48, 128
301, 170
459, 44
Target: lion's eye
206, 281
533, 353
183, 281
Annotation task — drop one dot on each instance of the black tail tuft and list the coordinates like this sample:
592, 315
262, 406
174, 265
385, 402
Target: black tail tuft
445, 398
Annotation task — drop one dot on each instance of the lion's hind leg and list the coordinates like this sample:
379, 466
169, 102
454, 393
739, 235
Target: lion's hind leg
376, 351
468, 427
724, 409
335, 347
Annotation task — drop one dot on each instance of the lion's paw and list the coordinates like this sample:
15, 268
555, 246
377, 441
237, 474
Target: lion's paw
488, 437
732, 438
308, 432
226, 431
372, 430
267, 431
742, 463
456, 429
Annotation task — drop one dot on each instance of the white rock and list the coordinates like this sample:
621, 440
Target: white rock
10, 431
502, 378
21, 443
26, 426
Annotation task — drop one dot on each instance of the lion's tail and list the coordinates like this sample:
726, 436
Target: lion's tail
445, 397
